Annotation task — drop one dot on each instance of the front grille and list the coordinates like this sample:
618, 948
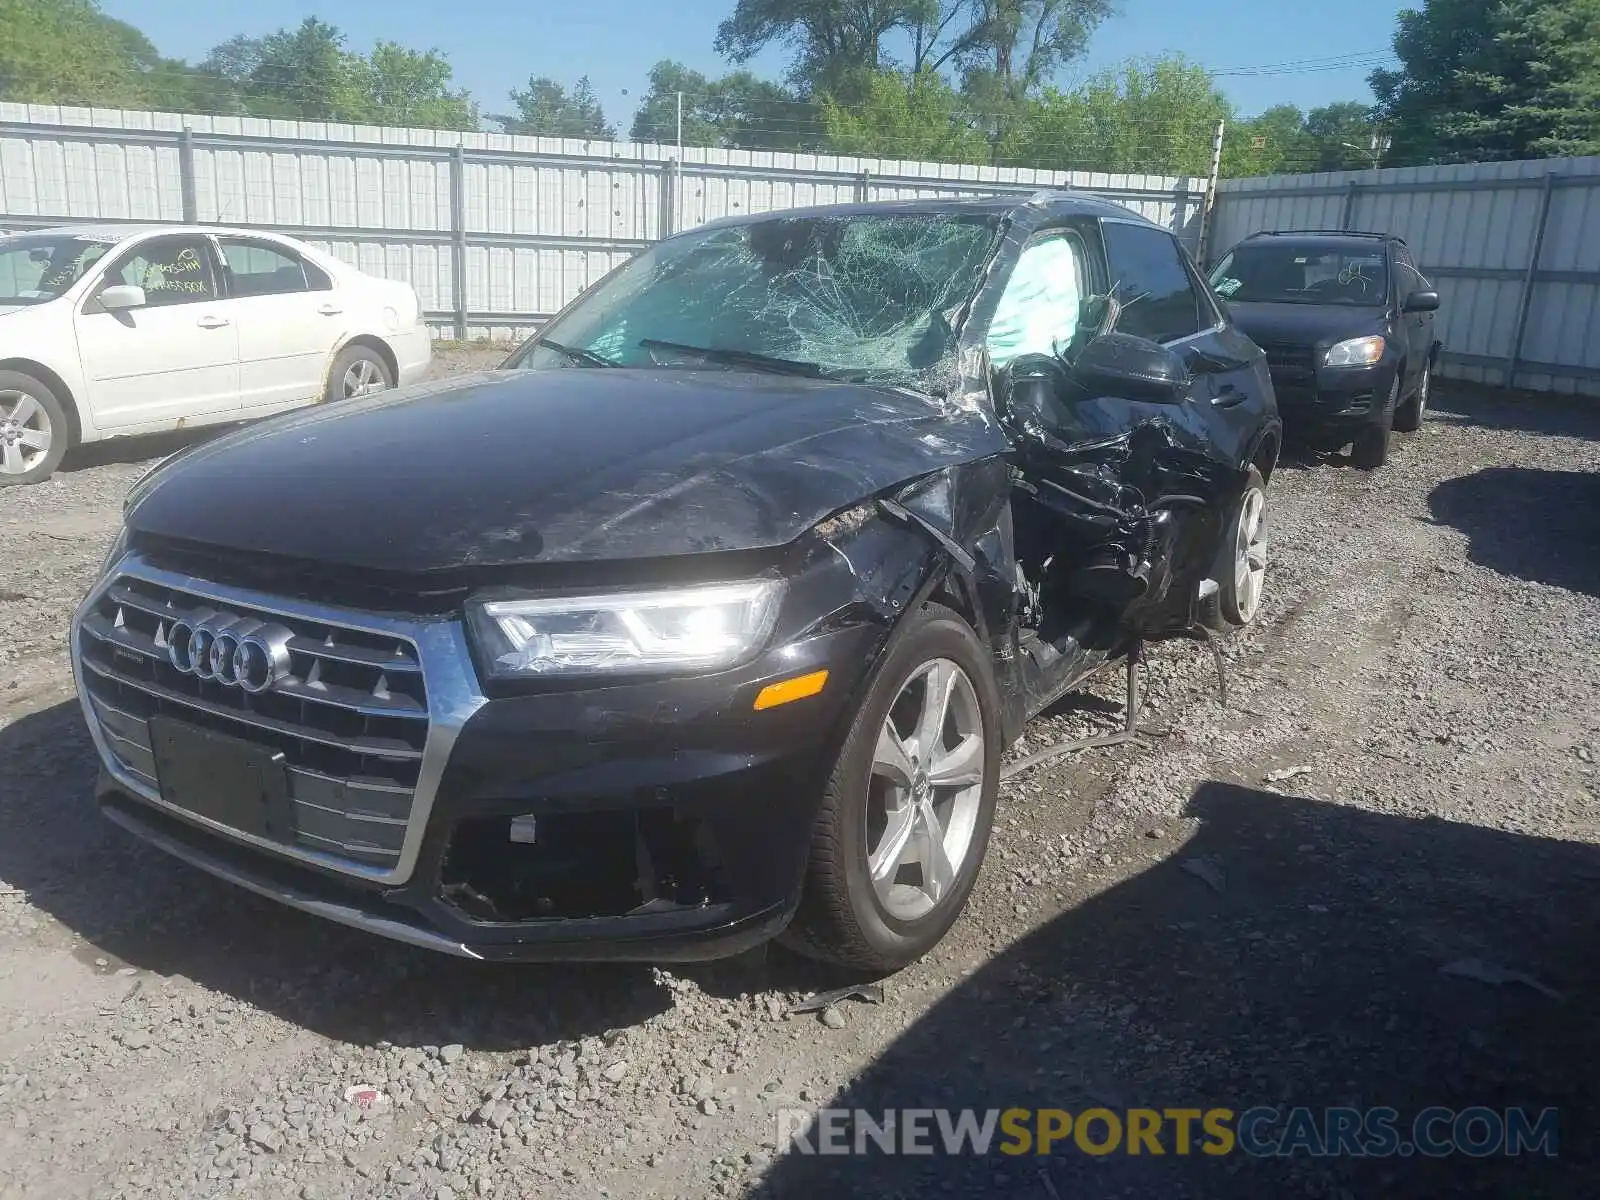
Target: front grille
1290, 364
350, 717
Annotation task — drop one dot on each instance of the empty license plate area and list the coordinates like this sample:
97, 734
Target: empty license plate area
224, 779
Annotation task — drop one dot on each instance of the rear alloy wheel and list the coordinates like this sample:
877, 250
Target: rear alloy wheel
358, 371
906, 813
1409, 418
33, 430
1370, 450
1241, 567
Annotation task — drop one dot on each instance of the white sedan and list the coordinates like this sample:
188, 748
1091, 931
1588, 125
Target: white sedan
107, 331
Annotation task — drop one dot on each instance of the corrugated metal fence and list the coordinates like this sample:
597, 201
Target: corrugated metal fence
1514, 248
495, 232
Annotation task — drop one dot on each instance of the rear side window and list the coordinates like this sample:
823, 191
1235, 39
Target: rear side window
1155, 288
257, 269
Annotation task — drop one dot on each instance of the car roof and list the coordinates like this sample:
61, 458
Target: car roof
1047, 202
122, 230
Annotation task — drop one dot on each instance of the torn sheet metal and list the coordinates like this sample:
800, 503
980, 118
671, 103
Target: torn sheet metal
1134, 488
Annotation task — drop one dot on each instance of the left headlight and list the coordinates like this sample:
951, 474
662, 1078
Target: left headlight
704, 628
1354, 352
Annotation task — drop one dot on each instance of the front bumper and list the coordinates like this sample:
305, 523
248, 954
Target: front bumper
668, 819
1325, 401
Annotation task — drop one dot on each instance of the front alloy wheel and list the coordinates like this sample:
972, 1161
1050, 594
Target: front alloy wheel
906, 811
925, 790
1240, 570
33, 430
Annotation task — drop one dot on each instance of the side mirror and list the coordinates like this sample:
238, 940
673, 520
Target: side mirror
1134, 368
1421, 301
121, 295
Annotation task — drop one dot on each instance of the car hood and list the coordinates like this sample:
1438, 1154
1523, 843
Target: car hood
1305, 324
564, 465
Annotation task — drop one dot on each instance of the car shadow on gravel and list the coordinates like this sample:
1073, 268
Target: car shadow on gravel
1529, 412
136, 449
1530, 523
136, 906
1344, 961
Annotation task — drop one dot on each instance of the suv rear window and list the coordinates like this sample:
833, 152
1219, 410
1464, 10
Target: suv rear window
1273, 272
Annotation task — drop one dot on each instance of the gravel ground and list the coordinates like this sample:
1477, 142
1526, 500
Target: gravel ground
1159, 926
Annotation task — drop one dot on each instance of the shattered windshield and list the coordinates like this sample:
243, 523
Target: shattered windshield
866, 298
1280, 273
39, 267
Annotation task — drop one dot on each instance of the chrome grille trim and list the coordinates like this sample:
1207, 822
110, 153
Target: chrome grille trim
442, 658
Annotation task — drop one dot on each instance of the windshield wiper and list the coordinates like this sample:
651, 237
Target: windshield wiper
743, 358
587, 357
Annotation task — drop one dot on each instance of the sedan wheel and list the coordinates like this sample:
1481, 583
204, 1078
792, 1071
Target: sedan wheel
25, 433
358, 371
362, 378
33, 430
925, 790
907, 807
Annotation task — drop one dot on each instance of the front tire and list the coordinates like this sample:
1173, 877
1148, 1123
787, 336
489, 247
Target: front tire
908, 806
1409, 418
34, 430
1241, 568
1370, 450
358, 371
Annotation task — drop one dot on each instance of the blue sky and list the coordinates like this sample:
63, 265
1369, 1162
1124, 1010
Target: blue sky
495, 45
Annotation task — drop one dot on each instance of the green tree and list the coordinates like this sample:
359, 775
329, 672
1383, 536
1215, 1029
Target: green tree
301, 74
400, 86
1152, 115
546, 109
1027, 41
67, 52
921, 117
735, 111
838, 45
1341, 136
1272, 143
1493, 79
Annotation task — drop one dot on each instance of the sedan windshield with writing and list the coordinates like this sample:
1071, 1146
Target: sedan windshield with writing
39, 267
1278, 273
867, 298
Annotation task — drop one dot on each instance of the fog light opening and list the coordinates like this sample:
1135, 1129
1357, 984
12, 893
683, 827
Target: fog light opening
565, 866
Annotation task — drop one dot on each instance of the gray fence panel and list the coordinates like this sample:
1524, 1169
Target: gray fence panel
495, 232
1514, 249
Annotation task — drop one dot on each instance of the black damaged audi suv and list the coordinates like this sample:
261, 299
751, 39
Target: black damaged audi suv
708, 617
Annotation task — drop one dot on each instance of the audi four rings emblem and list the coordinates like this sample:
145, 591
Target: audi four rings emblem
234, 651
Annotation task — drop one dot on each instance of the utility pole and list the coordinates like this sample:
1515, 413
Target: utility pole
677, 175
1211, 194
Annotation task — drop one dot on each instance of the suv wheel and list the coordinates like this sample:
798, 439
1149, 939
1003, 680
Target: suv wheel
906, 813
1241, 567
33, 430
1370, 450
1409, 418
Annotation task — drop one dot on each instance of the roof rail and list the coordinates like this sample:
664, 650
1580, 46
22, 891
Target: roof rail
1354, 233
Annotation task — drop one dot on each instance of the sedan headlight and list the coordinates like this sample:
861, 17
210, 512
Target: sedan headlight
704, 628
1354, 352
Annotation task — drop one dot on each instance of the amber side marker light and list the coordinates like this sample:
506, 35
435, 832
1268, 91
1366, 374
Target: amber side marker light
797, 688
